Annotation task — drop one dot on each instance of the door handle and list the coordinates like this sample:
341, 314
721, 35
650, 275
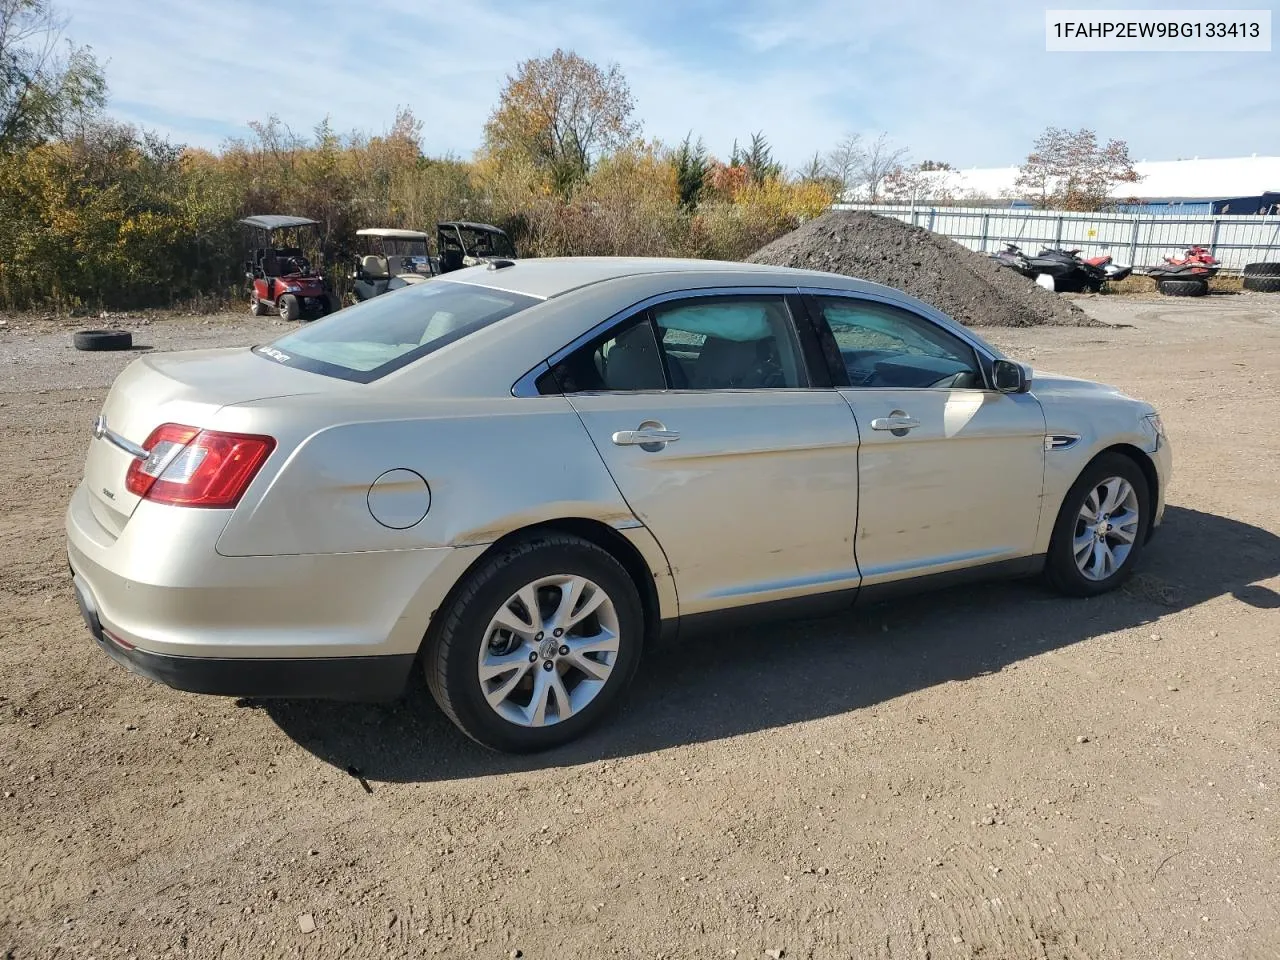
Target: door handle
650, 435
632, 438
895, 423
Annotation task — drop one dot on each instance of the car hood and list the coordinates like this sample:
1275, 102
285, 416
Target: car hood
1047, 385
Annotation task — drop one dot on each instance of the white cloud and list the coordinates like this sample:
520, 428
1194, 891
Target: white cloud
970, 83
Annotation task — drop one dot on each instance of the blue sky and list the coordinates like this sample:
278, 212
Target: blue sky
966, 82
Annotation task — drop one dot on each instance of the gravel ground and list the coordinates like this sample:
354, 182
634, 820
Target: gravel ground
965, 285
989, 773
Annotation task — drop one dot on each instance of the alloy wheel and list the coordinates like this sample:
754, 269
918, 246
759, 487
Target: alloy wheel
1106, 528
549, 650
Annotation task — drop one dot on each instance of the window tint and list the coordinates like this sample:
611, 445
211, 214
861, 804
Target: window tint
371, 339
729, 343
626, 358
884, 346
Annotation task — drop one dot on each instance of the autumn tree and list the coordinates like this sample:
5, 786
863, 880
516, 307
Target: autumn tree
927, 180
1070, 170
43, 94
562, 113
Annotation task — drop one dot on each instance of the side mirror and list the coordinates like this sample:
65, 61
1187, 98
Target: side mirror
1011, 376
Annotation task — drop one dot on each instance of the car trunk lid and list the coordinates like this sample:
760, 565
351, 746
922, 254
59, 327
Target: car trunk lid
186, 388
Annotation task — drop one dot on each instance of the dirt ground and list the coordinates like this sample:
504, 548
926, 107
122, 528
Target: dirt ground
986, 773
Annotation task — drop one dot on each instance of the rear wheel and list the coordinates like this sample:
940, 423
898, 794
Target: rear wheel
289, 307
256, 306
536, 645
1101, 528
1183, 288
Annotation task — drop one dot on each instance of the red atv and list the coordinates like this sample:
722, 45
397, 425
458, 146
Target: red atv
1196, 256
1186, 276
280, 276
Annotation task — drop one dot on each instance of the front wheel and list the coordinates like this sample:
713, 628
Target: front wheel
1101, 528
536, 645
290, 307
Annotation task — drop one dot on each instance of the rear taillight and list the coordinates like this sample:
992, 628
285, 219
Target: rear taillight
197, 468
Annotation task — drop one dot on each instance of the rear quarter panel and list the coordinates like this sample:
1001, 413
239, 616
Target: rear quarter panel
493, 466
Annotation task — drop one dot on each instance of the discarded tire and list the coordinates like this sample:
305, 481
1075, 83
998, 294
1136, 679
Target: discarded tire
1183, 288
102, 339
1262, 269
1262, 284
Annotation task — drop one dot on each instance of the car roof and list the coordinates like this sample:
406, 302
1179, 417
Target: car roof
547, 277
391, 233
276, 221
469, 225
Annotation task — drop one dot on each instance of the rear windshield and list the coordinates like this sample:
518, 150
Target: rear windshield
371, 339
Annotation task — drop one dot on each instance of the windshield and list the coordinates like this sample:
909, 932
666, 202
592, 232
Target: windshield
371, 339
478, 243
399, 247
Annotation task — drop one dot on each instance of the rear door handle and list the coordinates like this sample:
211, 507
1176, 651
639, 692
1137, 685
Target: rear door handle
895, 423
650, 435
632, 438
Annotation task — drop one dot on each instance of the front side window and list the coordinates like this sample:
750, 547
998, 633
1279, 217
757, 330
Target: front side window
371, 339
885, 346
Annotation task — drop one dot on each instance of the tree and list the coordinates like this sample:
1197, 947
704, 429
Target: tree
691, 165
844, 164
1070, 170
562, 113
758, 160
878, 161
42, 95
927, 180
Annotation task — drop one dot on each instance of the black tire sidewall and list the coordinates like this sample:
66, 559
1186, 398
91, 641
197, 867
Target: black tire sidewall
492, 585
1262, 283
1262, 269
1060, 564
102, 340
288, 307
1183, 288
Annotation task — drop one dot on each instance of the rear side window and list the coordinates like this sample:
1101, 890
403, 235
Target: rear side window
729, 343
735, 342
370, 340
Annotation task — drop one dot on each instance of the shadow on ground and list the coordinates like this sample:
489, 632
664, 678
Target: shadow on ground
731, 683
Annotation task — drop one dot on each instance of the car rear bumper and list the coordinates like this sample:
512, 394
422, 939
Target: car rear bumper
160, 600
334, 678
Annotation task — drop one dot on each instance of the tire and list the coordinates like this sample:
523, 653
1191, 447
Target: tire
1071, 529
1262, 269
1262, 284
1183, 288
289, 307
256, 307
464, 630
329, 303
102, 340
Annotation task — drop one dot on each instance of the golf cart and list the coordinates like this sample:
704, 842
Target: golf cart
280, 276
391, 259
462, 244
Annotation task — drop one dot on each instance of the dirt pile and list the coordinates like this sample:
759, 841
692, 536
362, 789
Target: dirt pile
966, 286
